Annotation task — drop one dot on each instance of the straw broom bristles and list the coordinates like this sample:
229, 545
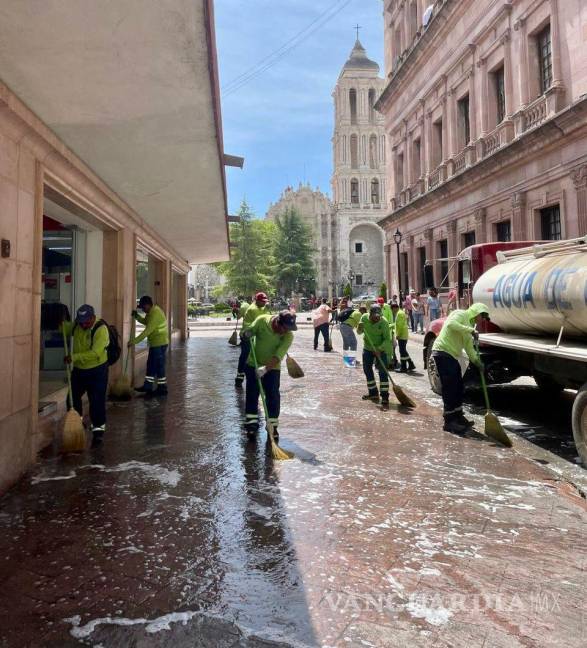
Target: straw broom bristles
74, 434
293, 368
233, 339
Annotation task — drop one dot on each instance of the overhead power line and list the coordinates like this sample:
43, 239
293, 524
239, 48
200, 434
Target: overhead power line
272, 59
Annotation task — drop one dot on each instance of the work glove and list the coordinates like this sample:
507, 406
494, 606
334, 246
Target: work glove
475, 335
261, 372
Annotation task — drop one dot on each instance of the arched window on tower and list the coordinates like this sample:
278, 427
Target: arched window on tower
373, 157
375, 197
353, 105
354, 152
372, 106
354, 191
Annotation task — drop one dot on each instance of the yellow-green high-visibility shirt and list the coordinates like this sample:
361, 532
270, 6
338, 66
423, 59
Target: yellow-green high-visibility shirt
156, 330
377, 335
87, 352
268, 343
251, 314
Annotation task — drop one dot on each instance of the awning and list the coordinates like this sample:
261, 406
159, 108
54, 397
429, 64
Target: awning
130, 87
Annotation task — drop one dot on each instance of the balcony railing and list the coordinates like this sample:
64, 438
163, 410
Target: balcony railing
535, 113
435, 178
460, 161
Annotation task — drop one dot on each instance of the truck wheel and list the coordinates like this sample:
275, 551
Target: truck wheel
433, 376
579, 419
547, 384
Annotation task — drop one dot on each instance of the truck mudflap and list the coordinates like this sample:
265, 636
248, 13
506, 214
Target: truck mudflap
566, 350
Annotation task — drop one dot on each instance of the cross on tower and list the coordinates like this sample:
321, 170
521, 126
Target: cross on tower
358, 27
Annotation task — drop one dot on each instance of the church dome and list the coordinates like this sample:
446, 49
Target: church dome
358, 60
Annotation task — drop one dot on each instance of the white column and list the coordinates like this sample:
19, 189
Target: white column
557, 77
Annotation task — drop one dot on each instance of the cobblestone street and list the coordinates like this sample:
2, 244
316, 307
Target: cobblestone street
384, 531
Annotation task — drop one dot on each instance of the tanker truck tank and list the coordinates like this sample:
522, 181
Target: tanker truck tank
538, 290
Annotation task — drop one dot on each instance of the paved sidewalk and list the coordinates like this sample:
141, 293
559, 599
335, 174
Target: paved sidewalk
383, 532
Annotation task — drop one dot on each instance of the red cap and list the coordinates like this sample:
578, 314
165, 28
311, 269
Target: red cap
261, 296
380, 300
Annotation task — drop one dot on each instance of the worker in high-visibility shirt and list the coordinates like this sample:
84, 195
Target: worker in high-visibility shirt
273, 335
457, 335
89, 357
400, 324
157, 334
249, 313
376, 340
388, 317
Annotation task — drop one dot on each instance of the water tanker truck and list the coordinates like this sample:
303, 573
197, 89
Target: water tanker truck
537, 298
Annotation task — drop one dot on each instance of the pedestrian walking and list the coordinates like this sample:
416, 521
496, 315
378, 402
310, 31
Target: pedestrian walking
433, 304
402, 335
457, 335
418, 313
89, 358
452, 300
273, 335
348, 319
377, 336
408, 308
156, 333
248, 313
320, 319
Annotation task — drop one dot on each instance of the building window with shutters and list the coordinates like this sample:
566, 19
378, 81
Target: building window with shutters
464, 122
544, 42
358, 248
499, 85
375, 191
503, 231
550, 220
468, 239
354, 191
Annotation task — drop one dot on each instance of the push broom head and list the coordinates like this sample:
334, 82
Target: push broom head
74, 435
276, 452
121, 390
494, 430
233, 339
293, 368
402, 397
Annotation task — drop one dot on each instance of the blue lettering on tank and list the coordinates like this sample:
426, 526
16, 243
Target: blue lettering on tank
507, 289
549, 285
527, 296
559, 288
497, 293
517, 291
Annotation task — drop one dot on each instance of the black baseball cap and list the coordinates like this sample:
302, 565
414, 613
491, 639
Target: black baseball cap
288, 320
84, 314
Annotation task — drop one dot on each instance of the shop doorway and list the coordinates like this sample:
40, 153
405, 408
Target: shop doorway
72, 251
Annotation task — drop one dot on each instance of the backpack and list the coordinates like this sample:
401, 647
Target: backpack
114, 349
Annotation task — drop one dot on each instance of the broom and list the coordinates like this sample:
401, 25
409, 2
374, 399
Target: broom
74, 435
293, 368
121, 389
233, 339
400, 394
276, 452
493, 428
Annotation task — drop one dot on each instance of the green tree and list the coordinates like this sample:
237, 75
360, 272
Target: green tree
250, 267
293, 253
383, 291
348, 291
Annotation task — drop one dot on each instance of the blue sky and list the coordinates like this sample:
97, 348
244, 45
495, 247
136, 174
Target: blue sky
282, 120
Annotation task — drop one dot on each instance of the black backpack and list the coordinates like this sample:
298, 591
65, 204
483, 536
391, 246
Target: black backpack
114, 349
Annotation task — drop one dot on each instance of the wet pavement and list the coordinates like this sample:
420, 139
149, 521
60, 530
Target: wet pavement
384, 531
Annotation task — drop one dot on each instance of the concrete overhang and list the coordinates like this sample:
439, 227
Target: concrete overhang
131, 87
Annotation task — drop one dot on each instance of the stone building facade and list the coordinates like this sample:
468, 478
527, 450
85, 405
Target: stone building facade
348, 240
485, 109
104, 195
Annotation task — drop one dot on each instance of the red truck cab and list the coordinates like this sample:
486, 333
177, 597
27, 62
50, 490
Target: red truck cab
472, 262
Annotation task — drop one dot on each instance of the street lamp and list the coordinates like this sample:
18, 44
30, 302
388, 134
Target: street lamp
397, 237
